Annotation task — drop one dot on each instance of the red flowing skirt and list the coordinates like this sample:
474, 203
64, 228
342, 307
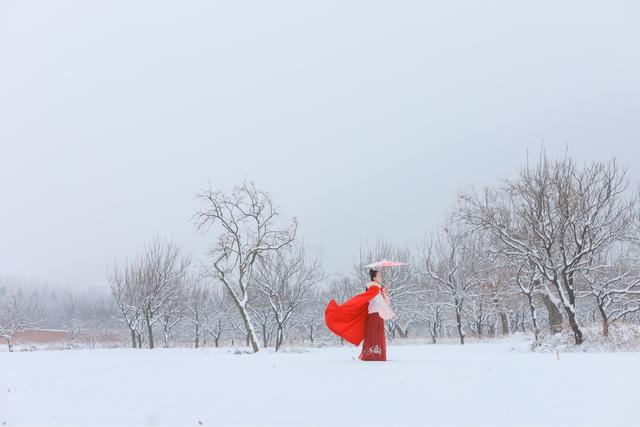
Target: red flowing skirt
374, 346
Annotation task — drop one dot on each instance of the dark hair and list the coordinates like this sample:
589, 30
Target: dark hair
373, 273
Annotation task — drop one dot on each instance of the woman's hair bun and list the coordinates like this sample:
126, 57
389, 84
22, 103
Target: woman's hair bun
372, 273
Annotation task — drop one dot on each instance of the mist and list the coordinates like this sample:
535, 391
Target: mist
361, 119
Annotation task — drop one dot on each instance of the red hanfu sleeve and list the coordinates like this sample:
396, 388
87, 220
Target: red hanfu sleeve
349, 319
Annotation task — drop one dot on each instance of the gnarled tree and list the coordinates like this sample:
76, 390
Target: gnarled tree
556, 216
246, 224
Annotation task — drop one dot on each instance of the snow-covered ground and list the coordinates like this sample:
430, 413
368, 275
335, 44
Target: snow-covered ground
498, 383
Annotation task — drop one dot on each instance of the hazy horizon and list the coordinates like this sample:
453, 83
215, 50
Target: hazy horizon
362, 118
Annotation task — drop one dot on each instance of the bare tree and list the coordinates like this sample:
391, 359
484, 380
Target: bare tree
125, 286
201, 309
263, 317
615, 288
556, 216
174, 311
450, 259
432, 312
480, 309
247, 219
312, 317
71, 314
19, 309
498, 285
147, 290
164, 270
285, 278
217, 326
528, 281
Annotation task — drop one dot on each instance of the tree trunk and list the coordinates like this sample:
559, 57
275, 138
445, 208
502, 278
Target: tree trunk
570, 308
251, 339
504, 323
605, 321
459, 323
575, 328
534, 318
279, 338
555, 315
133, 338
403, 334
265, 342
433, 331
150, 333
493, 329
165, 336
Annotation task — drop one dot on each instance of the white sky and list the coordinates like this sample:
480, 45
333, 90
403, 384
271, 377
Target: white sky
361, 117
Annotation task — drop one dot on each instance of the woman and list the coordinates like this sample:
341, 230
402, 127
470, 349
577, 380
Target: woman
362, 318
374, 346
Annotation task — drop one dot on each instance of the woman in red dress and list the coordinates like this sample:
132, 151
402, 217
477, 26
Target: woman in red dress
361, 318
374, 347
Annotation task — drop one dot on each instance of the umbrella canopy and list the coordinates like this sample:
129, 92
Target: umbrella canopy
385, 263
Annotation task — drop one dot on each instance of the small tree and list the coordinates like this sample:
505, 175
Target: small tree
285, 279
615, 288
18, 310
148, 290
163, 271
125, 288
450, 260
529, 282
201, 309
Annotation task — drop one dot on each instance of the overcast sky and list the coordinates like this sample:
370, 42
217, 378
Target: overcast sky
361, 118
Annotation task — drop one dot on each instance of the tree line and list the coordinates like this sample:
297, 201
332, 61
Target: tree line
550, 250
